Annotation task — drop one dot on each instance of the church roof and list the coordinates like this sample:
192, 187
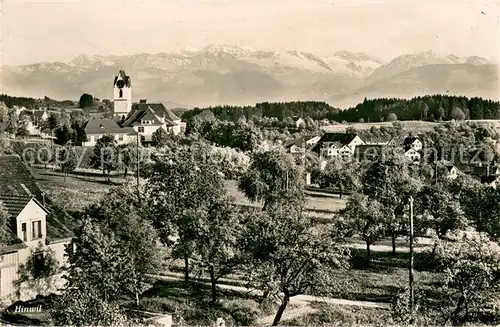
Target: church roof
106, 126
123, 75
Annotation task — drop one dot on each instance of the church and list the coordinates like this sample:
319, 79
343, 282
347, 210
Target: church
132, 119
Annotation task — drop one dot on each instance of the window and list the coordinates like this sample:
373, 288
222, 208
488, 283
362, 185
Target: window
36, 229
120, 137
39, 264
121, 93
24, 232
141, 129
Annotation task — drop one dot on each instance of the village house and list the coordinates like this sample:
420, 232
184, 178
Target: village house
295, 145
298, 121
412, 143
32, 228
312, 141
146, 118
447, 169
332, 145
40, 116
97, 128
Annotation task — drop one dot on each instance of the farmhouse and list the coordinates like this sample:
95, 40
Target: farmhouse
332, 145
295, 145
32, 228
97, 128
412, 143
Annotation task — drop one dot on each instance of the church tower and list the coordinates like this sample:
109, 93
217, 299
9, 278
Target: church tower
122, 95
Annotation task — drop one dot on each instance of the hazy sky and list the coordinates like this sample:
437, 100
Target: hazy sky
35, 31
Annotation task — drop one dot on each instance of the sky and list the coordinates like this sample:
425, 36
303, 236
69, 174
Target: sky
37, 31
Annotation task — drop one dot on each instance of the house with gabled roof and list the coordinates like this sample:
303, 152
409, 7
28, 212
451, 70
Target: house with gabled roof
97, 128
33, 226
337, 144
146, 118
296, 145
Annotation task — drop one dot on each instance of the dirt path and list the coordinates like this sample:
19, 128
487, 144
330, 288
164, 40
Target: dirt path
296, 300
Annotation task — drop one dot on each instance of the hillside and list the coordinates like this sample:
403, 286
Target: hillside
218, 75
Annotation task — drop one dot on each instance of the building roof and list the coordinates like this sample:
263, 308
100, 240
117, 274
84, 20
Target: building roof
16, 179
106, 126
123, 75
339, 139
14, 204
156, 110
17, 187
297, 141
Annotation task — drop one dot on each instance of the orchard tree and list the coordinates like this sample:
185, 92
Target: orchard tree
289, 257
471, 267
391, 182
185, 180
105, 155
441, 210
365, 217
457, 114
217, 241
341, 175
67, 161
273, 177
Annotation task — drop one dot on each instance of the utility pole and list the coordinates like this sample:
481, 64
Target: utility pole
411, 258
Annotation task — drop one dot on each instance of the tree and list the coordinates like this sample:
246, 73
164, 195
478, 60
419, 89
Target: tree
457, 114
365, 216
289, 257
392, 117
441, 210
391, 182
340, 175
185, 180
471, 266
67, 161
105, 155
272, 177
22, 128
217, 240
12, 122
86, 100
159, 138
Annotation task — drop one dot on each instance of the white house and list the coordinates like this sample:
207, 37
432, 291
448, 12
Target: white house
334, 144
312, 141
295, 145
413, 143
30, 229
39, 116
97, 128
146, 118
299, 122
412, 155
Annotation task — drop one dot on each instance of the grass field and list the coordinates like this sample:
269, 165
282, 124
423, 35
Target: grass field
409, 125
414, 125
77, 192
333, 204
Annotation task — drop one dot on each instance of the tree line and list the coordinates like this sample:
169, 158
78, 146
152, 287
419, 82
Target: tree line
428, 108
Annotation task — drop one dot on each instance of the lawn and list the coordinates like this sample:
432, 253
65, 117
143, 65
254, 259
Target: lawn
76, 192
413, 125
333, 204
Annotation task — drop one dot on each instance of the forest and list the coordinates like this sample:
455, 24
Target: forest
427, 108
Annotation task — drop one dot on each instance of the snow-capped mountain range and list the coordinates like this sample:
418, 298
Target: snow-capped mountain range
237, 75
